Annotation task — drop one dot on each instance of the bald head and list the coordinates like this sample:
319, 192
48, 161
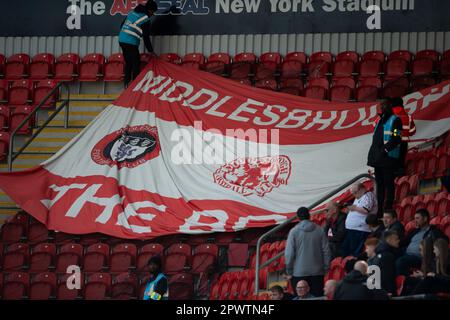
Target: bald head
357, 190
329, 288
361, 266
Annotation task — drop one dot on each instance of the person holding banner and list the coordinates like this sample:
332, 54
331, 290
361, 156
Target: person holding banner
157, 288
136, 26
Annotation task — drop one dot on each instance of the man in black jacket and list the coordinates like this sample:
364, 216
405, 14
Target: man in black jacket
354, 286
412, 257
384, 155
385, 256
335, 228
392, 224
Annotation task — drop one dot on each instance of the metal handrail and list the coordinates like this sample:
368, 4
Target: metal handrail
65, 104
285, 223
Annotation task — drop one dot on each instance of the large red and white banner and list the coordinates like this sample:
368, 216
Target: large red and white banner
184, 151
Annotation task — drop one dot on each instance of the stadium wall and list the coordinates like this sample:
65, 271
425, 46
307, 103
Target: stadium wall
232, 44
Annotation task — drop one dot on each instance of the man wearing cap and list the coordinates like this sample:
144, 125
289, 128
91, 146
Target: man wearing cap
307, 253
157, 288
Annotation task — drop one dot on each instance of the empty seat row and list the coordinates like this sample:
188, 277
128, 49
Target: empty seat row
437, 204
100, 257
25, 91
97, 286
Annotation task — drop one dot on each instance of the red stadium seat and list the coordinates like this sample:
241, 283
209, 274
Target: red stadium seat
215, 291
436, 221
420, 83
268, 65
315, 92
145, 59
291, 69
267, 84
410, 226
430, 166
399, 281
17, 66
91, 67
204, 257
366, 93
43, 286
41, 90
16, 257
42, 66
69, 254
42, 257
20, 92
321, 56
340, 94
4, 117
369, 68
19, 114
422, 67
12, 231
401, 54
245, 81
15, 286
443, 204
371, 81
446, 55
235, 287
444, 68
178, 257
67, 67
348, 55
318, 69
296, 56
344, 81
97, 286
181, 287
218, 63
319, 82
146, 252
124, 287
443, 163
96, 258
428, 54
393, 91
291, 86
445, 225
193, 61
123, 257
37, 232
63, 292
395, 68
4, 87
171, 57
114, 68
374, 55
242, 66
4, 144
343, 68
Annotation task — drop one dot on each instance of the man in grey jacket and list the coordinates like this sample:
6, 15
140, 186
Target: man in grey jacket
307, 253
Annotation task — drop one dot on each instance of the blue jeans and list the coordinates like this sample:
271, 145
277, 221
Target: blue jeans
353, 242
405, 263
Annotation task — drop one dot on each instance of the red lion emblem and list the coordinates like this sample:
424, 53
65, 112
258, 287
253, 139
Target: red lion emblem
254, 175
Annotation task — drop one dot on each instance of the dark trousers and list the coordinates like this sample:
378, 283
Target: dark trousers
315, 284
132, 59
405, 263
353, 243
384, 178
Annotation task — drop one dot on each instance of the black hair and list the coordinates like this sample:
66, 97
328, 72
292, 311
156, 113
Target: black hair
303, 213
397, 101
424, 213
389, 233
372, 220
151, 6
391, 212
155, 260
278, 289
349, 265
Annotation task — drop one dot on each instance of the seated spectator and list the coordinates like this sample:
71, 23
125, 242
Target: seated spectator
375, 225
330, 288
370, 245
412, 257
335, 228
385, 256
354, 286
277, 293
357, 230
392, 224
302, 290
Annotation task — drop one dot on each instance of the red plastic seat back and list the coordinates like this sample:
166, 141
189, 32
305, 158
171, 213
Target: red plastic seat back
91, 67
321, 56
146, 252
42, 89
96, 257
17, 66
428, 54
42, 66
374, 55
396, 68
4, 117
114, 68
348, 55
69, 254
15, 285
296, 56
43, 286
16, 256
97, 286
18, 115
343, 68
124, 286
171, 57
401, 54
340, 94
42, 257
181, 287
370, 68
20, 92
67, 67
123, 257
422, 67
318, 69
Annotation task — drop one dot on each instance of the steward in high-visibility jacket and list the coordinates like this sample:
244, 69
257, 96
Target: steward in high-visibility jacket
157, 288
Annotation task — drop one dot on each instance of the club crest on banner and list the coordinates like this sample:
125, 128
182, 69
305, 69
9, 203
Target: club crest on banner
249, 176
128, 147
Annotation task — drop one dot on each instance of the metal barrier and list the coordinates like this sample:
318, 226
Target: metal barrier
287, 222
65, 104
